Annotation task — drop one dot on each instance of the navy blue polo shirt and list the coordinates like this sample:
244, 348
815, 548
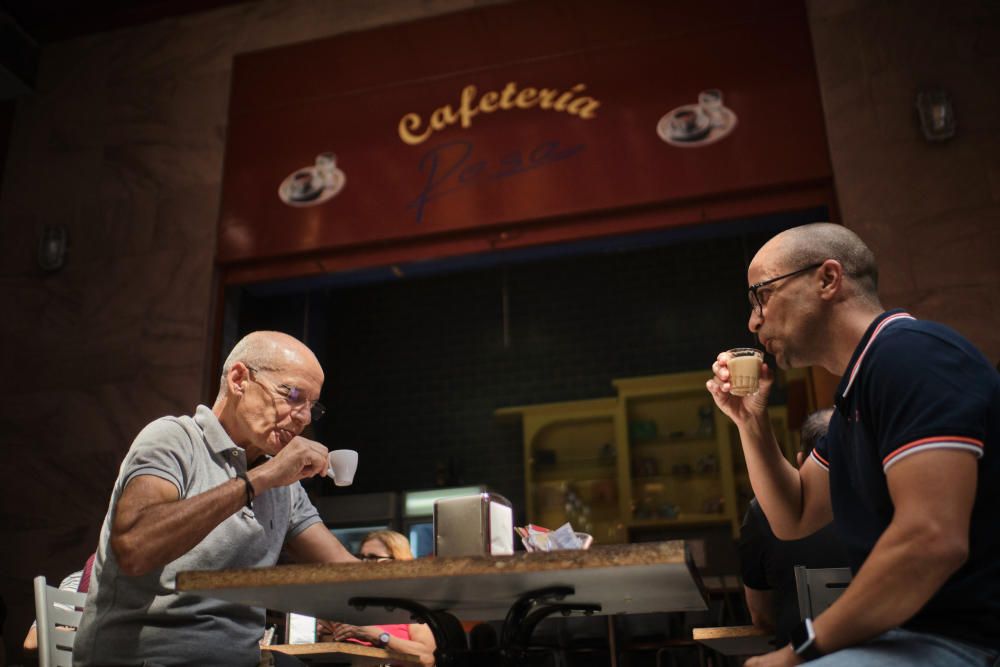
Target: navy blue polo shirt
913, 386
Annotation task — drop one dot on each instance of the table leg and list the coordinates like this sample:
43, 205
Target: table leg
612, 644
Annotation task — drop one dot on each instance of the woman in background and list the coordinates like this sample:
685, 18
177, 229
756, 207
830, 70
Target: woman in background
382, 546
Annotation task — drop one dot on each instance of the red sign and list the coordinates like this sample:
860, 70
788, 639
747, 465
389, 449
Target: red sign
509, 115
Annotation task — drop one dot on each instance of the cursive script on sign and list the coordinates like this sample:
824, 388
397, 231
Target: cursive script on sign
449, 167
413, 130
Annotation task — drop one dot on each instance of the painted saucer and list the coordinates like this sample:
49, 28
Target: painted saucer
316, 193
702, 134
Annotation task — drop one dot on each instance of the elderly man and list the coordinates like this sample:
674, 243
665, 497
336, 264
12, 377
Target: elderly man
902, 470
219, 489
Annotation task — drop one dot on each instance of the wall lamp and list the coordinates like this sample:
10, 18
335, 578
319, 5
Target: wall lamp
937, 116
52, 249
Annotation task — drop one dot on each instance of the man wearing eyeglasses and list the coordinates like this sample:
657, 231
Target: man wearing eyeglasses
907, 470
219, 489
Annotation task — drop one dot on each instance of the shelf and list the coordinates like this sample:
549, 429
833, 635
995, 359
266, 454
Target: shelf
577, 476
713, 476
576, 463
688, 519
683, 440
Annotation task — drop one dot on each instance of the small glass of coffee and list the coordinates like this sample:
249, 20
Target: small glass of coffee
744, 370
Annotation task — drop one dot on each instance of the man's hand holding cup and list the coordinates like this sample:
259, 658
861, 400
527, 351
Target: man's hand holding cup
741, 384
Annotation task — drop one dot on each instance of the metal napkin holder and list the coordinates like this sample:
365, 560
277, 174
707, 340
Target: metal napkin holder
479, 525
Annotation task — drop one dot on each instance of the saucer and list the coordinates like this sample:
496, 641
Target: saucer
313, 196
705, 134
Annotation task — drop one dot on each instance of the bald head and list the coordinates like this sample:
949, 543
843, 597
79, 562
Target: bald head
820, 241
266, 351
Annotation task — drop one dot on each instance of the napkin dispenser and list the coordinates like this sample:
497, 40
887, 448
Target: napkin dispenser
479, 525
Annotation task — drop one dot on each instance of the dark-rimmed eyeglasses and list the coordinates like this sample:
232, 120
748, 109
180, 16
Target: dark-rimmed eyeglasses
758, 298
374, 557
294, 397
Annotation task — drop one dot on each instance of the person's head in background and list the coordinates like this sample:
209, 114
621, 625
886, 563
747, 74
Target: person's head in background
813, 428
385, 545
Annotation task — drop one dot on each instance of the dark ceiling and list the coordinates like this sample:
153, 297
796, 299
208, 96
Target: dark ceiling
26, 26
47, 21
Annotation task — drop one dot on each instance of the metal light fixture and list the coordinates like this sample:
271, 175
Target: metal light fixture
937, 116
52, 248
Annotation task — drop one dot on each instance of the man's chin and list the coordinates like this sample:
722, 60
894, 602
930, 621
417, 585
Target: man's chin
279, 439
779, 356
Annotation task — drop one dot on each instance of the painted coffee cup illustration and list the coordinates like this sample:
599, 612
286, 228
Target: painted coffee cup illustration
314, 184
710, 102
697, 124
305, 184
689, 124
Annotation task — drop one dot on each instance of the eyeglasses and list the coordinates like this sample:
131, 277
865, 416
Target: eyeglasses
759, 299
375, 557
293, 396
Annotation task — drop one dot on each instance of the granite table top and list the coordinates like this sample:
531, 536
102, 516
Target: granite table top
624, 578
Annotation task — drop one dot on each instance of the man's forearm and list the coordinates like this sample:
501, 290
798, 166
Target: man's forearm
774, 480
903, 572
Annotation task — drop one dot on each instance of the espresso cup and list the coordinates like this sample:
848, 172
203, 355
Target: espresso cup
343, 464
744, 370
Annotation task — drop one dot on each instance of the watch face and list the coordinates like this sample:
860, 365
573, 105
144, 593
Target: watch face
384, 638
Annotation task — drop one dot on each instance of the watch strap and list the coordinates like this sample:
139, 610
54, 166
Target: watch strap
804, 642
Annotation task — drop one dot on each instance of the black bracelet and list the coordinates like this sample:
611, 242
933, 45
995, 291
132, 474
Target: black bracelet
250, 492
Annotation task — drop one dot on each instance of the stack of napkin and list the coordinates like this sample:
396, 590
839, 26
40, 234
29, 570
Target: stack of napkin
537, 538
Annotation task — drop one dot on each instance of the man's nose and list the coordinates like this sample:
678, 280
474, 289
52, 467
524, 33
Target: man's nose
756, 320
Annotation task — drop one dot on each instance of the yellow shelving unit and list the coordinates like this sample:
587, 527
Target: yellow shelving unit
680, 467
658, 457
572, 469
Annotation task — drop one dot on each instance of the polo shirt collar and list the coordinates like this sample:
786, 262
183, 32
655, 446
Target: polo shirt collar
877, 326
215, 435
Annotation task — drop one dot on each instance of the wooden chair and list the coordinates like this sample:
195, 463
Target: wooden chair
735, 640
342, 653
58, 616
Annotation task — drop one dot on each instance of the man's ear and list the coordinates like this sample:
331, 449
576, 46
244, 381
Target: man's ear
831, 278
237, 377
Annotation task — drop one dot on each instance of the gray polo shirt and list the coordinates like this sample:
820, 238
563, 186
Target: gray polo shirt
141, 620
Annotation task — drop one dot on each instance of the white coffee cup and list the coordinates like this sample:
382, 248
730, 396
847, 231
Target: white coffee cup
343, 464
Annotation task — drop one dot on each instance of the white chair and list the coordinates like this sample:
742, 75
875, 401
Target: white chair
58, 615
819, 587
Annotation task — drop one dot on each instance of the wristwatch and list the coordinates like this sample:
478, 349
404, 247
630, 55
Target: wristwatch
803, 640
383, 639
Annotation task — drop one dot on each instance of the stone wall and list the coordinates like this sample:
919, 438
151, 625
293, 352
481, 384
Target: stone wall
123, 143
931, 212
